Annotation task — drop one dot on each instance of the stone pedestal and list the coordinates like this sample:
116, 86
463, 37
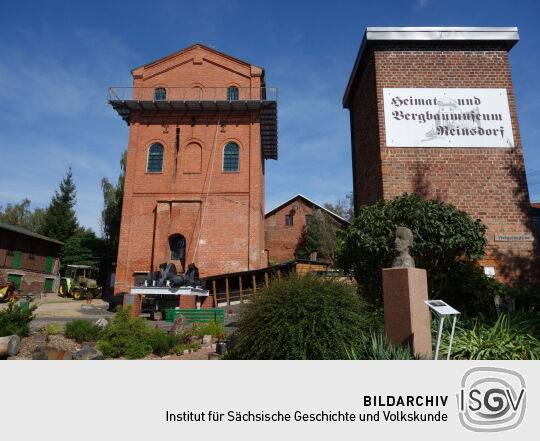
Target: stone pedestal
406, 316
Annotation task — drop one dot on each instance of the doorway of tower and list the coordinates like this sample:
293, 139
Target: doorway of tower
177, 244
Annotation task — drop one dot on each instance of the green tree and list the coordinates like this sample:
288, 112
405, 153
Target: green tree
60, 221
20, 215
83, 248
444, 238
312, 238
319, 236
112, 208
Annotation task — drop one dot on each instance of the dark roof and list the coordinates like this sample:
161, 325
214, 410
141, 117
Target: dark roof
28, 233
288, 201
372, 35
192, 46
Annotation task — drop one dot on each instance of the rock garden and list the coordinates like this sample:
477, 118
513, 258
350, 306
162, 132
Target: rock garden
123, 337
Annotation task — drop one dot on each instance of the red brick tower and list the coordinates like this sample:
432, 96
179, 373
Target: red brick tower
201, 124
432, 111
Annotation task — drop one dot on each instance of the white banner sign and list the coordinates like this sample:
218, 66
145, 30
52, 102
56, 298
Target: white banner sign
447, 118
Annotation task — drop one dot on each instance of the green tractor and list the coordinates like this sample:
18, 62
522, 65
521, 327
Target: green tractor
79, 283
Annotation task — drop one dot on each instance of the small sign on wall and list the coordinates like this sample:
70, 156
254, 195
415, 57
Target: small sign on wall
514, 238
447, 118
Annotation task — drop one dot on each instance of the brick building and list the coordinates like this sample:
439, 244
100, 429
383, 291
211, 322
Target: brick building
432, 111
284, 225
29, 260
201, 124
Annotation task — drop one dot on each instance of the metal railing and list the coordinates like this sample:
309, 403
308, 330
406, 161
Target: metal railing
192, 94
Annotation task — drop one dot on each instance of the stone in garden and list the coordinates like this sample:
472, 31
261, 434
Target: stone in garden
50, 353
88, 344
180, 325
88, 354
39, 339
402, 243
6, 346
14, 345
101, 322
207, 340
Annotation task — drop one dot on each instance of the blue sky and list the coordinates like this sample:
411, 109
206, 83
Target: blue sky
58, 58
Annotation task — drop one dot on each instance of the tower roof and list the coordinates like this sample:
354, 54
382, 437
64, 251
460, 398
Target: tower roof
193, 46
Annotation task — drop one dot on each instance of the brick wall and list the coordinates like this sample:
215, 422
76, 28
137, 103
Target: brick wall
282, 240
488, 183
33, 253
220, 214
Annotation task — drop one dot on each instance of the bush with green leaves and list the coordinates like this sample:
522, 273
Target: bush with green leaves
125, 337
375, 346
443, 238
53, 329
133, 338
82, 330
509, 337
300, 317
209, 328
16, 319
527, 297
161, 343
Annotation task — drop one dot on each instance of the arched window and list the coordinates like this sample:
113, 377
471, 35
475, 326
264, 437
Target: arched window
232, 93
231, 157
177, 244
160, 94
155, 158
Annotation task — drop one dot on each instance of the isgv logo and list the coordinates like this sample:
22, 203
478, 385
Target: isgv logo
491, 399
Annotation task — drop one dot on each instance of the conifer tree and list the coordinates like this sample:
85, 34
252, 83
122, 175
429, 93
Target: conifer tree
312, 238
60, 221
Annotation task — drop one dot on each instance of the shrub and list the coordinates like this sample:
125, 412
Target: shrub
469, 290
505, 339
125, 337
53, 328
527, 297
180, 348
375, 346
299, 317
161, 343
82, 330
16, 320
209, 328
443, 236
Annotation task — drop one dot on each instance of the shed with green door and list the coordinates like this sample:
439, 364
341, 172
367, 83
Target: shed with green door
29, 260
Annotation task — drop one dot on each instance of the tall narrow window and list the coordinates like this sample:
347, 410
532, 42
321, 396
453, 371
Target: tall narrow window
289, 220
160, 94
232, 93
231, 157
178, 247
308, 219
155, 158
